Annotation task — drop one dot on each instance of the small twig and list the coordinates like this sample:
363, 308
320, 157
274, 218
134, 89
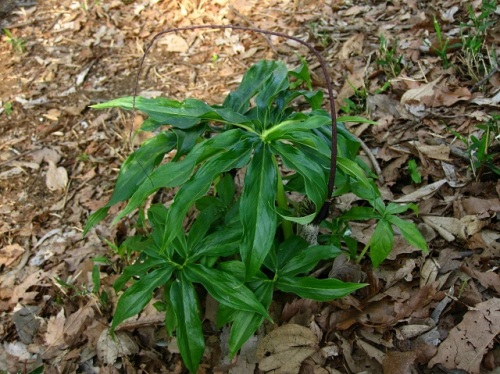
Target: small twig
372, 159
324, 210
249, 23
20, 155
484, 80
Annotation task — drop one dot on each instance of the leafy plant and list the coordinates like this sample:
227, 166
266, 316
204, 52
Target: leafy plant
415, 175
17, 44
443, 46
7, 107
484, 149
243, 243
478, 58
388, 59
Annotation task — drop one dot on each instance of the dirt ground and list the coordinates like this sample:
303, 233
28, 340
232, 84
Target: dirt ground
422, 313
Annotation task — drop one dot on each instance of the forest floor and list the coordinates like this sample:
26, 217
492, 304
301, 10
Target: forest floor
436, 312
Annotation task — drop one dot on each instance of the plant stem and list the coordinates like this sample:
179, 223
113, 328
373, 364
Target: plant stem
282, 203
362, 254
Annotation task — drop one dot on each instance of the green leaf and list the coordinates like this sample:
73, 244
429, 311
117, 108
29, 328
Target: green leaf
394, 208
134, 171
226, 189
183, 115
137, 296
225, 288
359, 213
136, 270
275, 83
246, 323
223, 242
317, 289
189, 332
235, 157
257, 213
381, 242
314, 175
307, 260
252, 82
292, 126
409, 232
300, 220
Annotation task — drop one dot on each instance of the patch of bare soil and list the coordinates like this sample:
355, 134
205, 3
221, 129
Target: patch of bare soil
422, 313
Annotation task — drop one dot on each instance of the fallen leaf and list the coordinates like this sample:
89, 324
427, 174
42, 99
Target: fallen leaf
352, 46
55, 329
110, 348
449, 227
425, 191
9, 254
284, 349
57, 177
174, 43
468, 342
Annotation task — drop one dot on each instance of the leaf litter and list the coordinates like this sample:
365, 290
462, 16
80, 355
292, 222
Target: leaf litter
58, 161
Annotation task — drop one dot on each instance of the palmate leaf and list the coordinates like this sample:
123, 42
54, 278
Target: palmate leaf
137, 296
317, 289
189, 332
257, 212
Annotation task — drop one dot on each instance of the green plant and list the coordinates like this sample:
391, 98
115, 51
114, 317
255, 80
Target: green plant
356, 104
415, 175
17, 44
443, 46
483, 149
7, 107
387, 59
478, 58
243, 244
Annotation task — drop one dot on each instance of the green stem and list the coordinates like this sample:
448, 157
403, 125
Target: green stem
362, 254
282, 203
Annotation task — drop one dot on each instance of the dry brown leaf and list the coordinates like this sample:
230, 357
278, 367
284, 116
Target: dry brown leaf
468, 342
352, 46
57, 177
55, 329
399, 362
110, 348
449, 227
437, 152
283, 350
21, 290
488, 279
371, 351
9, 254
423, 192
77, 322
174, 43
433, 94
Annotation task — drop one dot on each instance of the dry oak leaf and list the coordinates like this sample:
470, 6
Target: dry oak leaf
283, 350
467, 342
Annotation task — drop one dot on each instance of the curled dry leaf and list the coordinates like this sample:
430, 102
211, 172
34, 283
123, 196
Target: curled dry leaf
468, 342
283, 350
